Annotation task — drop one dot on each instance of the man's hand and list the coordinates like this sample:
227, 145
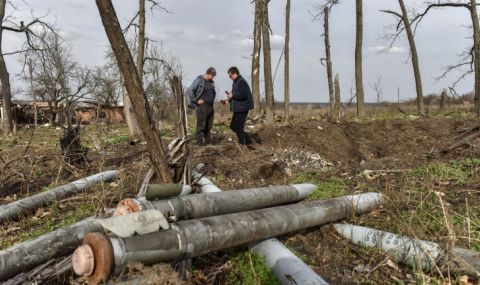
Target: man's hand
229, 95
200, 102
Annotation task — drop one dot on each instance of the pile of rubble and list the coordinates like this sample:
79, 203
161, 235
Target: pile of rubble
296, 159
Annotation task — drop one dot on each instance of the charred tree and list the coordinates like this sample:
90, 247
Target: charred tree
359, 59
135, 89
257, 45
287, 63
178, 159
267, 64
72, 150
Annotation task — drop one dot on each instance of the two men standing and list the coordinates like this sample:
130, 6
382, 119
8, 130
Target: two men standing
202, 96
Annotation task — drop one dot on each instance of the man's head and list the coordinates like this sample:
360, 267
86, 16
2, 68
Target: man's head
233, 72
210, 73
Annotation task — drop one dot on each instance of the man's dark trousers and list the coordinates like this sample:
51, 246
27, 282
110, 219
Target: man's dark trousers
204, 124
238, 124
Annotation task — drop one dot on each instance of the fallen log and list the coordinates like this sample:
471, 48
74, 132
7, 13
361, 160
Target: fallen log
20, 208
466, 138
414, 252
100, 255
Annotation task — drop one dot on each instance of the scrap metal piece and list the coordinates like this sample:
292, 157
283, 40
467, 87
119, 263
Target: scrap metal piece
140, 222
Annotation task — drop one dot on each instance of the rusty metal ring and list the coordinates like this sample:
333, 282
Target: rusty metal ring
103, 253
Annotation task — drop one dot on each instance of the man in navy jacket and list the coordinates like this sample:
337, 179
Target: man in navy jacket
241, 101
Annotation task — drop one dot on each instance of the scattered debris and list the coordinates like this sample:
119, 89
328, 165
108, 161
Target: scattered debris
300, 160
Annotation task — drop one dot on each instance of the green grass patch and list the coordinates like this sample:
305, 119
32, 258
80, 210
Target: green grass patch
118, 138
218, 179
250, 269
43, 226
326, 189
460, 172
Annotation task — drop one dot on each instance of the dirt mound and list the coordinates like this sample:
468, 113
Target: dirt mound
376, 145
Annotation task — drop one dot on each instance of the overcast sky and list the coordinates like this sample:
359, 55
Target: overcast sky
219, 33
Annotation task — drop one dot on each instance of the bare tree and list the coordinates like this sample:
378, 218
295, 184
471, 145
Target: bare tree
378, 88
7, 123
267, 64
105, 86
328, 58
135, 89
257, 45
56, 77
287, 63
472, 57
405, 24
141, 42
133, 128
359, 58
27, 29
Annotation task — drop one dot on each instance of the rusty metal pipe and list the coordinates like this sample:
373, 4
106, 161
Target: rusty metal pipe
192, 238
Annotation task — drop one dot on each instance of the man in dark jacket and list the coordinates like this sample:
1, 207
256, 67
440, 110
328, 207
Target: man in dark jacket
241, 101
201, 95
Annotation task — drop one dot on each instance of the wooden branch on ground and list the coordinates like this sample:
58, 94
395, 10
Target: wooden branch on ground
466, 138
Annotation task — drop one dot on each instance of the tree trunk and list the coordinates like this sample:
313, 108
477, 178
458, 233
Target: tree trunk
135, 90
443, 100
336, 113
328, 58
415, 64
133, 129
257, 45
359, 59
141, 38
134, 132
35, 111
287, 63
267, 65
7, 119
476, 54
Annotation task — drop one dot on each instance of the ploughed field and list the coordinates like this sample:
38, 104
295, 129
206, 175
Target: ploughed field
432, 194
